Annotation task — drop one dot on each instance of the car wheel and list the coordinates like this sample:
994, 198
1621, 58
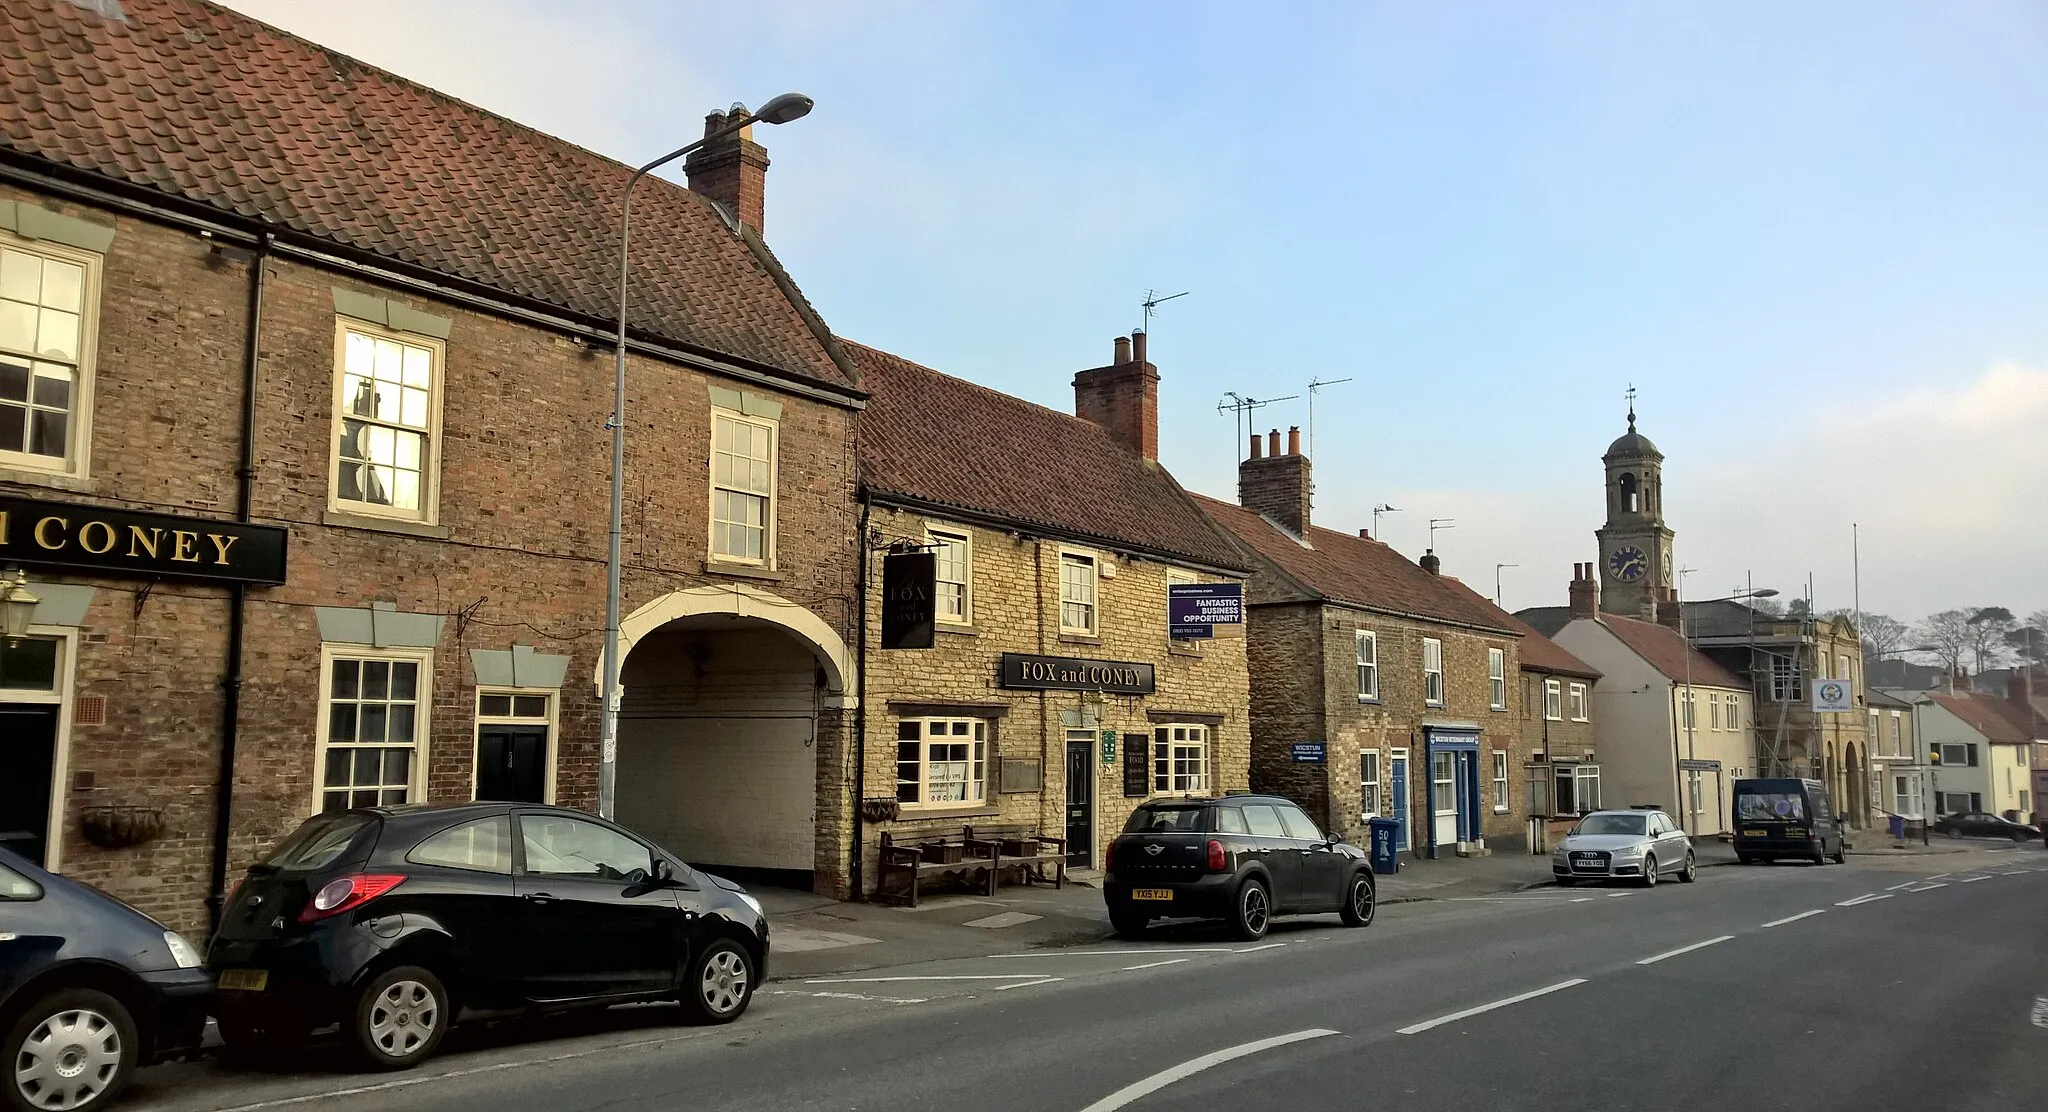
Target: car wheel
72, 1049
400, 1018
1691, 872
1841, 853
720, 984
1360, 903
1127, 922
1649, 872
1254, 910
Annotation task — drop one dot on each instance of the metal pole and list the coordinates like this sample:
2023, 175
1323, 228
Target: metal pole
1691, 753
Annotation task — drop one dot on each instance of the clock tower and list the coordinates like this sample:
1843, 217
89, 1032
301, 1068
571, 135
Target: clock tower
1635, 547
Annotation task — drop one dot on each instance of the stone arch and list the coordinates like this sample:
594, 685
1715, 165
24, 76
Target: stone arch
1629, 496
754, 605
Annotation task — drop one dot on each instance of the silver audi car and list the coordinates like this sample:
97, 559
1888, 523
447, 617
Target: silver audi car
1642, 845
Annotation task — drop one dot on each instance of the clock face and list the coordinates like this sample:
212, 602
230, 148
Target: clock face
1627, 563
1667, 567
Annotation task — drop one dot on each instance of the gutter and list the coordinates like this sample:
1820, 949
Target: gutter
914, 504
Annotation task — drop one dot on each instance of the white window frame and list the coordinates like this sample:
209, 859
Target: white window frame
1902, 794
1169, 741
61, 694
1731, 710
1961, 747
1078, 557
1446, 799
1697, 792
1432, 672
429, 512
547, 720
1182, 576
941, 540
1842, 670
1688, 706
76, 463
774, 502
1497, 678
1579, 708
1366, 647
1553, 701
423, 711
1500, 782
976, 739
1369, 778
1579, 775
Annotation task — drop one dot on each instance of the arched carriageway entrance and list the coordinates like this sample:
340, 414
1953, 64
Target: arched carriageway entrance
732, 728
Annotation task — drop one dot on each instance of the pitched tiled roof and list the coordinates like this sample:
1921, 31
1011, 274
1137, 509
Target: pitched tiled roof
947, 443
1985, 713
1547, 620
1666, 651
1537, 653
193, 102
1344, 568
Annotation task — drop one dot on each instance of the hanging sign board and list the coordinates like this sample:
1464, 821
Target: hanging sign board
909, 600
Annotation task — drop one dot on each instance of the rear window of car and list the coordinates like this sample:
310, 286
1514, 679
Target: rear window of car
1169, 819
483, 846
318, 842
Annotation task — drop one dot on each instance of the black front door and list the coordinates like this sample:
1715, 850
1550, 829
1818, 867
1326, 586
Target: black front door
28, 753
1080, 804
512, 763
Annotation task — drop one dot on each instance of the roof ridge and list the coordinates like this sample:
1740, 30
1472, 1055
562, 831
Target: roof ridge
1081, 421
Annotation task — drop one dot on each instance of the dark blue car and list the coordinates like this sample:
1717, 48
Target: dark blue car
90, 989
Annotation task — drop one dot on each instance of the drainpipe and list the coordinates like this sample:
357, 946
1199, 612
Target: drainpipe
860, 713
231, 681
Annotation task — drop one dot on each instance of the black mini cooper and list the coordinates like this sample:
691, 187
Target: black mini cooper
390, 920
1241, 858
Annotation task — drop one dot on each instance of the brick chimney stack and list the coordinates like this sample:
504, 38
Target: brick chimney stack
1430, 563
1277, 484
1585, 596
732, 171
1123, 397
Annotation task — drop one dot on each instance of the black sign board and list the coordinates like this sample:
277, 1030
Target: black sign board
909, 599
1137, 766
1066, 673
129, 544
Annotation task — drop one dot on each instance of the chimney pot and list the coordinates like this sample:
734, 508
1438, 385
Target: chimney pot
1276, 486
1430, 563
1294, 440
1273, 443
1257, 442
1365, 534
1138, 345
1585, 593
732, 171
1123, 351
1123, 398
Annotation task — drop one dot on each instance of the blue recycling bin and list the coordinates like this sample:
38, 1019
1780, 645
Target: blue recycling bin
1898, 826
1385, 835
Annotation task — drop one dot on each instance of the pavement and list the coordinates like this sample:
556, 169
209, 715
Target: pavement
1896, 981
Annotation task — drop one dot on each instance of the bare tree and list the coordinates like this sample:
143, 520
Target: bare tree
1988, 627
1883, 635
1769, 607
2029, 643
1948, 636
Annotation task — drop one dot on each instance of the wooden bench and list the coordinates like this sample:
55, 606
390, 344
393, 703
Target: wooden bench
1023, 848
955, 854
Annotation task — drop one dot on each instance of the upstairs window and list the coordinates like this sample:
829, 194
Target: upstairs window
1578, 702
1077, 593
1786, 683
387, 408
47, 298
1497, 678
954, 596
1432, 671
742, 489
1368, 649
1553, 700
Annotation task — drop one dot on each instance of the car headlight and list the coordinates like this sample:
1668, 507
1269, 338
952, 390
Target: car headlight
750, 901
1629, 851
181, 951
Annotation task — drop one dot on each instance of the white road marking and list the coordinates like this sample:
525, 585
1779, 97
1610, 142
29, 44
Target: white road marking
1583, 900
823, 995
1618, 895
1893, 888
1867, 897
1122, 953
1256, 949
961, 977
1974, 879
1504, 899
1655, 958
1193, 1066
1796, 918
1154, 964
2041, 1011
1927, 887
1028, 984
1941, 876
1469, 1012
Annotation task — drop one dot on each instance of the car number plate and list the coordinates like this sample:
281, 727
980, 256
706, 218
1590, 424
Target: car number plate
1756, 833
245, 980
1151, 893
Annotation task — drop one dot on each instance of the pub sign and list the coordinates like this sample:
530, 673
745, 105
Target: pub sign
131, 544
909, 600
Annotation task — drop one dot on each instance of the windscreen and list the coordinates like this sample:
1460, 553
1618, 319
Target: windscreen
1770, 807
1612, 824
1167, 820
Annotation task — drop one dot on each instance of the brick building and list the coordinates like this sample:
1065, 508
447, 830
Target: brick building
1407, 678
1052, 695
304, 380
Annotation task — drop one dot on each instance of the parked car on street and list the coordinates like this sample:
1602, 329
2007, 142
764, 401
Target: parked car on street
1241, 858
90, 989
1787, 817
392, 920
1639, 845
1981, 824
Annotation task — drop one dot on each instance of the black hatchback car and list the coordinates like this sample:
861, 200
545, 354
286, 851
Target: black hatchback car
1982, 824
390, 920
90, 988
1241, 858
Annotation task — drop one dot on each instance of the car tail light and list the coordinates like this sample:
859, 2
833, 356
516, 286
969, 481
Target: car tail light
1215, 856
346, 894
1109, 857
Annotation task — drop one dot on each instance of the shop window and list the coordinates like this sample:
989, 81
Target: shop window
388, 413
742, 489
941, 762
372, 730
1443, 769
1180, 759
48, 298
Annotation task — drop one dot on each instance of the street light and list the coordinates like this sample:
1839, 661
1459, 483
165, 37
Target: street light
1691, 753
1496, 580
781, 110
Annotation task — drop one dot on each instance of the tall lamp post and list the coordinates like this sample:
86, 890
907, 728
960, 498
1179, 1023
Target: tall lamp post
1687, 783
781, 110
1923, 781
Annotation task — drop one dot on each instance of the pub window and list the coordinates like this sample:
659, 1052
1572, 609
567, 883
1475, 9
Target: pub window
742, 488
1578, 702
1368, 645
1180, 759
954, 594
1497, 678
372, 745
1077, 593
941, 762
388, 414
49, 299
1553, 700
1432, 671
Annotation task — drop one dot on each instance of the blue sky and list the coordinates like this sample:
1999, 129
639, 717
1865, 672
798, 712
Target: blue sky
1813, 236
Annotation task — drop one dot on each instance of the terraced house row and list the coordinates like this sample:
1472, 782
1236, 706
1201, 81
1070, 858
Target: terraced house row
304, 384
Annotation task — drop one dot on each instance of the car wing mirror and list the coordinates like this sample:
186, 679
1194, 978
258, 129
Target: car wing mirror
664, 873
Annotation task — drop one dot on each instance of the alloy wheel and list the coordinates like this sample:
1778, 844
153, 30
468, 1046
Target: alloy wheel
724, 983
403, 1018
1649, 872
68, 1059
1363, 901
1254, 911
1692, 870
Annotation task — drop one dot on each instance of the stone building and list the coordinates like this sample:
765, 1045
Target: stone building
304, 381
1402, 683
1052, 695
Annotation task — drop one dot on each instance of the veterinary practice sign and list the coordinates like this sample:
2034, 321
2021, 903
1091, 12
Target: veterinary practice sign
132, 545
